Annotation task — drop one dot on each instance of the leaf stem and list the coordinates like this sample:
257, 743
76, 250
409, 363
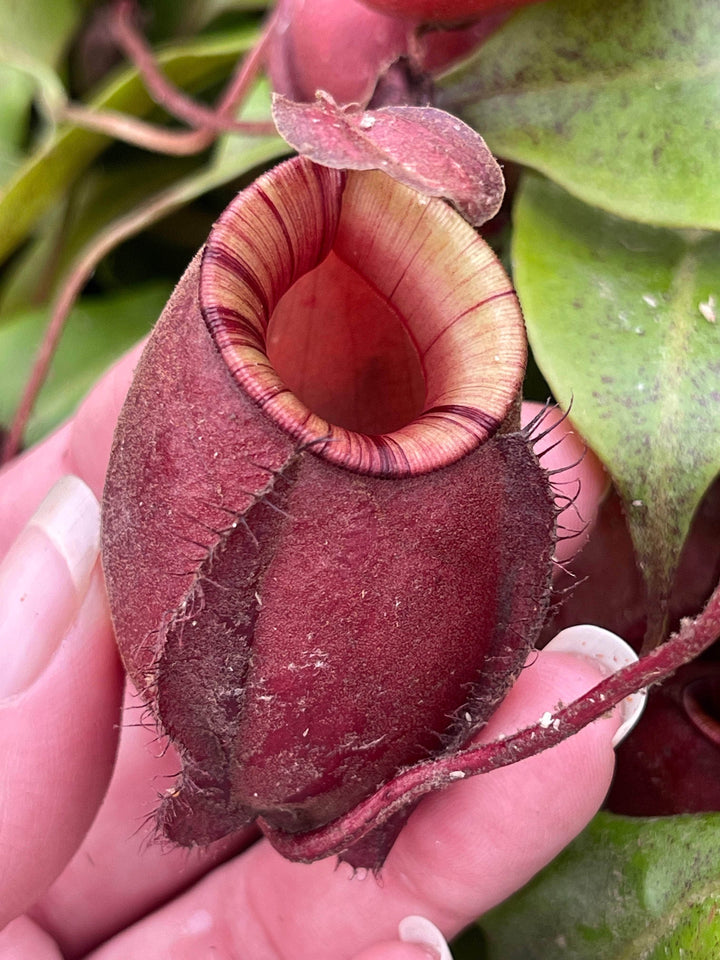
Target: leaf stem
140, 54
165, 93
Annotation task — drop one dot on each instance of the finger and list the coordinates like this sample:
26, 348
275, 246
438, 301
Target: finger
123, 867
25, 481
578, 477
60, 684
81, 447
24, 939
462, 851
119, 867
527, 812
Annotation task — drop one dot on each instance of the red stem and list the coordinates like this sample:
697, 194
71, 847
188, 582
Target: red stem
693, 637
163, 92
167, 95
246, 71
148, 136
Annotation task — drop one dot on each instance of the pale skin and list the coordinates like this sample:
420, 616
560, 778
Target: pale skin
81, 877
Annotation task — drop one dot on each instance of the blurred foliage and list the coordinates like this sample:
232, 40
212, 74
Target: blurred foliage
65, 190
627, 888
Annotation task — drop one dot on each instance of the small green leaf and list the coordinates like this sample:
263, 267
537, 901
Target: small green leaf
33, 37
617, 102
622, 319
98, 331
234, 156
51, 170
159, 184
104, 194
626, 889
29, 78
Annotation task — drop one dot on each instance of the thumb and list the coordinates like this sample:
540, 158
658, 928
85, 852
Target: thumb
60, 688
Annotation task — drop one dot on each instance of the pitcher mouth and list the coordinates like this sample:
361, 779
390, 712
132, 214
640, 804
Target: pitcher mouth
407, 377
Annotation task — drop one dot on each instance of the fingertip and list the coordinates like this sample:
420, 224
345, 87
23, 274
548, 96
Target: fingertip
23, 938
394, 950
419, 930
44, 579
609, 653
475, 843
577, 771
25, 482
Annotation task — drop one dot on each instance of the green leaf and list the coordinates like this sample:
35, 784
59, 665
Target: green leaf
103, 195
194, 65
40, 29
160, 184
33, 37
626, 889
622, 322
617, 102
233, 157
98, 331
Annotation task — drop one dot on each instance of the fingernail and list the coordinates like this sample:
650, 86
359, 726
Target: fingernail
420, 930
610, 653
43, 581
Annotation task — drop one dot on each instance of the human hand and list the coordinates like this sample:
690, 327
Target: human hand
74, 882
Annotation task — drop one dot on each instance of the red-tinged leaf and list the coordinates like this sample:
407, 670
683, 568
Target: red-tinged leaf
422, 147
